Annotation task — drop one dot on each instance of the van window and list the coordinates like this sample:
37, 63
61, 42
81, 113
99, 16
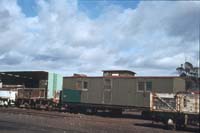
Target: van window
78, 84
85, 85
141, 86
148, 86
107, 84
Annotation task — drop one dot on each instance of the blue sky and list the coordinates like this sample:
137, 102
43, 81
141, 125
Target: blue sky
87, 36
29, 7
92, 7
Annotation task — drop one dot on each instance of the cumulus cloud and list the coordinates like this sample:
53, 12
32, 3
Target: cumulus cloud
152, 39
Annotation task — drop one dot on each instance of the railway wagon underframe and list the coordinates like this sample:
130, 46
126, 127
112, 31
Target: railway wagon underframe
39, 103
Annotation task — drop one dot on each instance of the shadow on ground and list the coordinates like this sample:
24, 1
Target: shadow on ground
6, 126
124, 115
162, 126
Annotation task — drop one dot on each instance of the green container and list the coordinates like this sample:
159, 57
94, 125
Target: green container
55, 82
71, 95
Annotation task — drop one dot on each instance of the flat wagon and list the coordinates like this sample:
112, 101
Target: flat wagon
175, 110
40, 89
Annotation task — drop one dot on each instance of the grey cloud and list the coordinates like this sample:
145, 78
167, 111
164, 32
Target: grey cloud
185, 23
11, 58
4, 20
45, 58
149, 37
57, 54
151, 62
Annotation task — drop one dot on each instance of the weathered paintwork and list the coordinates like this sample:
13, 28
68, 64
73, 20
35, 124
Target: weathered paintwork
71, 95
187, 103
120, 90
31, 93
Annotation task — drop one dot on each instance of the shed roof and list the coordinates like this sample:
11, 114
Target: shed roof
38, 75
127, 71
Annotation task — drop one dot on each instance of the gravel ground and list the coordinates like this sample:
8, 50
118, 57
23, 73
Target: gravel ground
80, 123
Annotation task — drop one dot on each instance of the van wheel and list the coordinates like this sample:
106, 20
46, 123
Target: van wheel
116, 112
170, 124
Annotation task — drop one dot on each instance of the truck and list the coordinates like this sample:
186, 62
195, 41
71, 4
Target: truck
7, 94
176, 111
1, 84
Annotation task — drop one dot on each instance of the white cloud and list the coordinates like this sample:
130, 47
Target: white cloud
152, 39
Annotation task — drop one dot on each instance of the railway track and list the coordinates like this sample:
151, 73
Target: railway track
55, 114
34, 112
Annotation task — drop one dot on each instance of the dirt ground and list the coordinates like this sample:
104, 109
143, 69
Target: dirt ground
80, 123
